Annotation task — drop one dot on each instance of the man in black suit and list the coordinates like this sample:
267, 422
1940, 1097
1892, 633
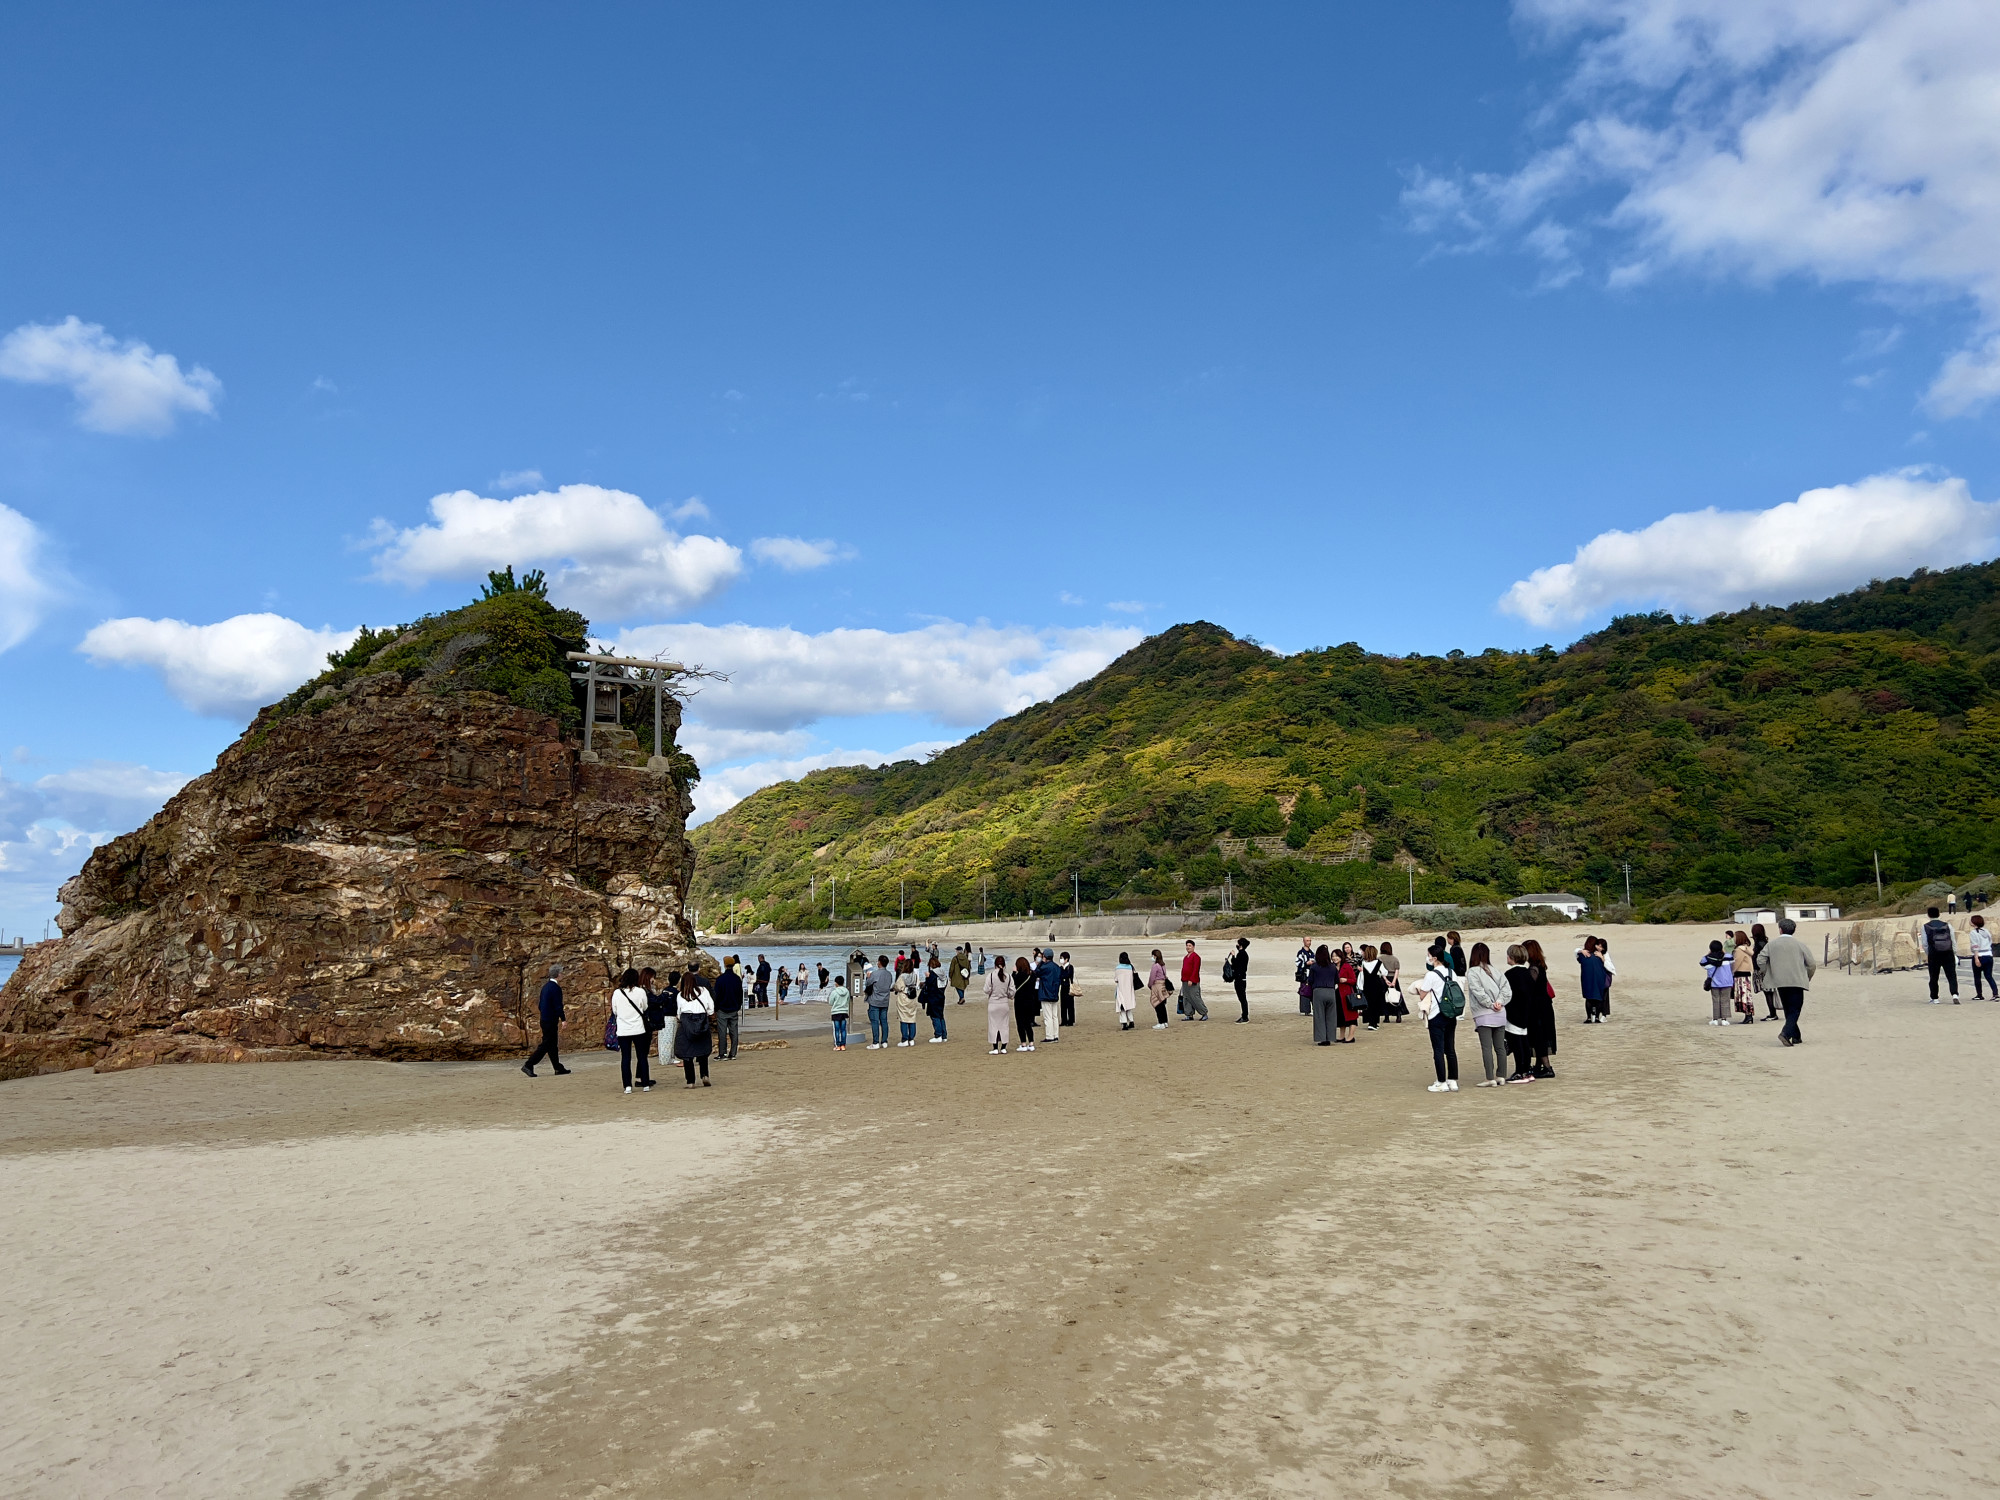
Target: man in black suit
552, 1024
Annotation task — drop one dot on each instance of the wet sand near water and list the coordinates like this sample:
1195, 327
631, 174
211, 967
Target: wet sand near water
1214, 1260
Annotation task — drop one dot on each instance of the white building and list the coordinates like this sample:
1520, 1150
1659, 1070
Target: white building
1570, 906
1804, 911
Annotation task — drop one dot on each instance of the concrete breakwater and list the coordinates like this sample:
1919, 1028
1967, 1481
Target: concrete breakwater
1019, 930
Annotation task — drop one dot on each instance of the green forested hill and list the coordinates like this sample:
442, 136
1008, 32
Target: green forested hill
1757, 754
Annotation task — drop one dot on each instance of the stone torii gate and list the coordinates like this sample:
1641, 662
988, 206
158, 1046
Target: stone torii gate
658, 674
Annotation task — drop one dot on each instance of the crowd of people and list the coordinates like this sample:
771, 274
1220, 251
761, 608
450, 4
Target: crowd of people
1343, 988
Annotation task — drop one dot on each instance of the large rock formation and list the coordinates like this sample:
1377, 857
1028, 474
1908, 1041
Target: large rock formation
386, 875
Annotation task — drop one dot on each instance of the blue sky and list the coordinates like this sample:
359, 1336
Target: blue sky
979, 342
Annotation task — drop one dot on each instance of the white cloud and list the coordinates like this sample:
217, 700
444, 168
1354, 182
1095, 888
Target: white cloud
1066, 597
1824, 542
1844, 140
227, 670
124, 388
518, 479
690, 509
796, 555
28, 581
720, 790
49, 827
607, 552
1127, 606
960, 675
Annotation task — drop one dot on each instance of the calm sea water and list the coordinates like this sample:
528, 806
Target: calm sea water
7, 967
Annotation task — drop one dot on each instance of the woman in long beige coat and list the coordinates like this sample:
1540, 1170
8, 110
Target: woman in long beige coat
999, 1006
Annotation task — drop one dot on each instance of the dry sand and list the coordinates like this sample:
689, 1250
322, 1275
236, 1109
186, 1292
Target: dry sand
1212, 1261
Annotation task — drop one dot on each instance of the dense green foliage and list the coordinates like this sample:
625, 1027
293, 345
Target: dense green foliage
1760, 754
510, 641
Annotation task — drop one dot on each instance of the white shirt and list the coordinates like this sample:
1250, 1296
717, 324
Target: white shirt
700, 1002
629, 1006
1981, 943
1429, 989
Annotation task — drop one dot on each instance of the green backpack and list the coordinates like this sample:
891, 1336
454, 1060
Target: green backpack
1451, 1004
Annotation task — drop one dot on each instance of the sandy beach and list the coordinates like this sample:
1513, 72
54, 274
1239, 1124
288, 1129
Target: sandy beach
1210, 1261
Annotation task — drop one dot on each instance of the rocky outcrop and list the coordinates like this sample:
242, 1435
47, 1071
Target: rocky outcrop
388, 875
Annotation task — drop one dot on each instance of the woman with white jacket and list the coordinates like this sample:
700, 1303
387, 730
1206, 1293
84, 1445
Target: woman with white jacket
1125, 991
999, 1004
1486, 1000
628, 1009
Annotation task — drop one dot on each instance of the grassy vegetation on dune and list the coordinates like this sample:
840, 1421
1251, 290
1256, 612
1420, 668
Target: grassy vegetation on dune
1766, 752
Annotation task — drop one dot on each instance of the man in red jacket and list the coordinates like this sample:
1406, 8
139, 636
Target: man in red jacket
1192, 1004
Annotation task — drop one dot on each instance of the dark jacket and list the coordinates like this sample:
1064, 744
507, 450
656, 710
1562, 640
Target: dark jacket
728, 992
1048, 979
763, 975
552, 1004
931, 992
1529, 1007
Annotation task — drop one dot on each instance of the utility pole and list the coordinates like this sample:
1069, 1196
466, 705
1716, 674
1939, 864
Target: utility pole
1076, 893
899, 900
1628, 882
982, 898
832, 897
1413, 885
1878, 877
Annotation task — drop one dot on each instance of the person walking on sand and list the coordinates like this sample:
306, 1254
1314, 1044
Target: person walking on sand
1192, 1005
906, 1008
1374, 987
550, 1004
999, 1004
1542, 1010
1941, 953
1324, 977
1027, 1004
1719, 980
1979, 942
878, 990
728, 995
839, 1003
1048, 990
1520, 1000
1236, 971
1786, 967
760, 993
1486, 997
1068, 995
1440, 1002
1591, 979
628, 1011
1125, 991
695, 1035
1156, 990
960, 974
1392, 966
931, 994
1743, 991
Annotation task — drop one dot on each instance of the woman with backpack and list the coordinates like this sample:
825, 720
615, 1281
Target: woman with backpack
1718, 982
1486, 997
628, 1014
999, 1004
1441, 1001
694, 1037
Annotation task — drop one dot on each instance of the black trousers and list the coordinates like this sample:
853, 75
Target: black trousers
630, 1047
1948, 963
1794, 1001
1160, 1010
1444, 1046
551, 1031
688, 1066
1243, 996
1068, 1008
1026, 1012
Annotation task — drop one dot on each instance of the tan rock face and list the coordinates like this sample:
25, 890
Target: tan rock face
388, 877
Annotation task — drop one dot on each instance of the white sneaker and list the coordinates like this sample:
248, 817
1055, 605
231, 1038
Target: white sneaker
628, 1088
1159, 1026
936, 1039
1438, 1088
1487, 1084
1027, 1046
1451, 1086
